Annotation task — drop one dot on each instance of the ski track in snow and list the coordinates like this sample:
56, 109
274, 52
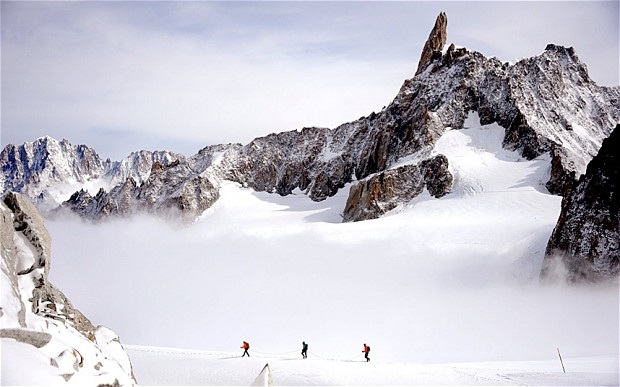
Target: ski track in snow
433, 282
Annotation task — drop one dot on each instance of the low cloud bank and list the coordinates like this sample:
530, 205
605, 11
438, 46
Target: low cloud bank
336, 286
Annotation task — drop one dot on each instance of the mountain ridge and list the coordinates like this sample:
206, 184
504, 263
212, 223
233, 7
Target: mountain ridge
546, 104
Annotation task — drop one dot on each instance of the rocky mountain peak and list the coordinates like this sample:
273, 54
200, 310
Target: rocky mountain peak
435, 42
547, 104
33, 167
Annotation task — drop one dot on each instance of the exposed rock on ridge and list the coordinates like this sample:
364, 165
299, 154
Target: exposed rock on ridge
547, 104
435, 42
384, 191
552, 105
586, 239
172, 189
36, 313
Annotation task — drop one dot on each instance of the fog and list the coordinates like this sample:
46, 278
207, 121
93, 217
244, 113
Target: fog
428, 283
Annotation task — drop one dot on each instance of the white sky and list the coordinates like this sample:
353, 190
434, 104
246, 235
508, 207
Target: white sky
125, 76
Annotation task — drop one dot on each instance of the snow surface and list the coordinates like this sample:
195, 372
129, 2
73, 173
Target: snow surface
167, 366
433, 283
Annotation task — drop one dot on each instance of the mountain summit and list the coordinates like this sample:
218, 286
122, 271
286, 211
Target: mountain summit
435, 42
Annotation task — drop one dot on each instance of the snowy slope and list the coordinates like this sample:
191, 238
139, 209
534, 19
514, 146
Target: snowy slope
436, 281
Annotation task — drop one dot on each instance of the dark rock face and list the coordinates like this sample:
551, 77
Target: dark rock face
586, 238
435, 42
382, 192
379, 193
437, 178
561, 179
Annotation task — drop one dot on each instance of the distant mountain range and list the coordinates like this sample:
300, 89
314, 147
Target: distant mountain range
547, 104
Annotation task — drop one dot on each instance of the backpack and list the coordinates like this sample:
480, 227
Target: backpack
368, 348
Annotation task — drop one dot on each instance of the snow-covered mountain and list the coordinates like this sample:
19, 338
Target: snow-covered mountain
47, 167
547, 105
49, 171
50, 340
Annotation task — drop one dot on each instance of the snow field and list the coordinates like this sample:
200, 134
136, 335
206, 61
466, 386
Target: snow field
167, 366
434, 281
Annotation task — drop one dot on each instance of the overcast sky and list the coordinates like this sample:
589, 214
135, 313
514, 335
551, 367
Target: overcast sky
125, 76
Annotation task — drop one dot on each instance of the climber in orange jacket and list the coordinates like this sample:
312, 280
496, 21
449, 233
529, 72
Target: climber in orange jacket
245, 347
366, 350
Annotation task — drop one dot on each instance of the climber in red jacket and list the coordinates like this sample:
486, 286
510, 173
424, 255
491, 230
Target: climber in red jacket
245, 347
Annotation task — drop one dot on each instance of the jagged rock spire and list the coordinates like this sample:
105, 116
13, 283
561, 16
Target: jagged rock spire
435, 42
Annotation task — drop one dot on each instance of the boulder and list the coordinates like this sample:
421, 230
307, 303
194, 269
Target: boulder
382, 192
437, 177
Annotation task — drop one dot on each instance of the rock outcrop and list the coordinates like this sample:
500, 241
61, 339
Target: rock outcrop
434, 44
374, 196
586, 240
382, 192
437, 176
35, 313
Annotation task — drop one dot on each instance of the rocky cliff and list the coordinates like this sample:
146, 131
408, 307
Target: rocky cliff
547, 105
38, 319
586, 239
